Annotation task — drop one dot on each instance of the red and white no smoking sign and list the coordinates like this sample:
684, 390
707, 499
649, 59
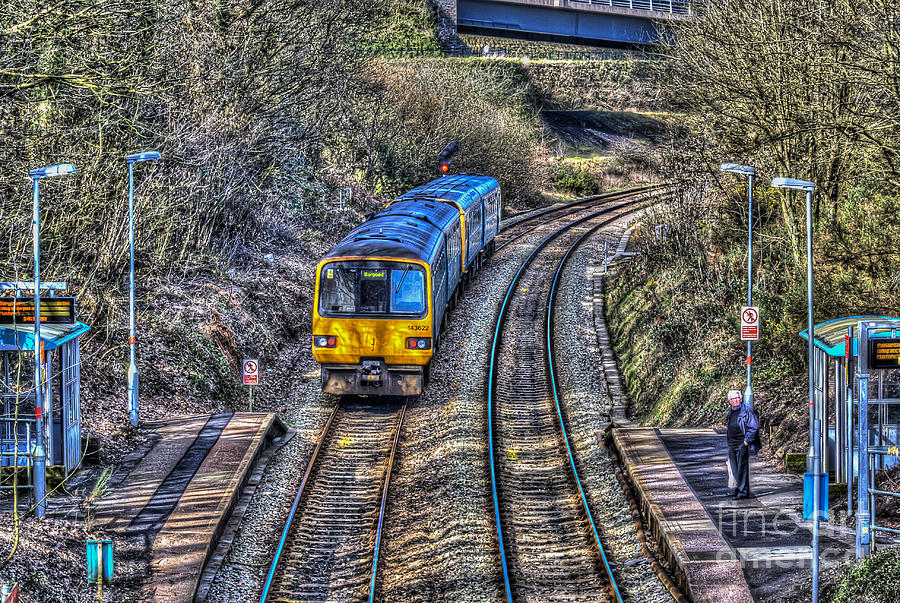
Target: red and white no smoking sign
749, 323
251, 371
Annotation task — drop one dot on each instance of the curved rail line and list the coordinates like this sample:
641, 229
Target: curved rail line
568, 209
329, 532
525, 353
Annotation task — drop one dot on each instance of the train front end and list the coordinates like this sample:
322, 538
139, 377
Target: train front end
372, 325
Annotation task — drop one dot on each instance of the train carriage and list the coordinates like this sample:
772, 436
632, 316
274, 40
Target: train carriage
382, 292
477, 198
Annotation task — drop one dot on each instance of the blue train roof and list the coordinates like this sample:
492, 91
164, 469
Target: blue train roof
407, 229
435, 213
464, 189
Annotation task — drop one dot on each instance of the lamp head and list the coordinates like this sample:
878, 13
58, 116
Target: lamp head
61, 169
800, 185
144, 156
737, 168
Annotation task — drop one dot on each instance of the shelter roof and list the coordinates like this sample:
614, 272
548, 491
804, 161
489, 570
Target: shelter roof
53, 336
829, 335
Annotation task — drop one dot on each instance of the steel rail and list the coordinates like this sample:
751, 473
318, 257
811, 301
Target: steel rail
569, 206
501, 319
589, 199
323, 438
287, 526
559, 413
384, 495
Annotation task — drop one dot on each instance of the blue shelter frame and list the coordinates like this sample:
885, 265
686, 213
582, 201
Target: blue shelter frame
61, 392
836, 395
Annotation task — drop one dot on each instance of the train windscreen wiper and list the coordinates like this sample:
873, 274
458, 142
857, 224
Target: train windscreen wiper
397, 290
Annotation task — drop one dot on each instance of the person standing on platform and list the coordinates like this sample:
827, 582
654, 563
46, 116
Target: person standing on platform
743, 428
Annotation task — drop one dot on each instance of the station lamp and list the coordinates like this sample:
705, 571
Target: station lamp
39, 458
813, 456
746, 170
132, 367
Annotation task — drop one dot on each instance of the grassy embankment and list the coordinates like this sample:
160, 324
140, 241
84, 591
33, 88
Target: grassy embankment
674, 313
256, 148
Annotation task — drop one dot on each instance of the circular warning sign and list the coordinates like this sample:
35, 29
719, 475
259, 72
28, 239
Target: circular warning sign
251, 371
749, 323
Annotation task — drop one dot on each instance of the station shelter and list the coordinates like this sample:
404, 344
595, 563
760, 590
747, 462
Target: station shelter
61, 384
837, 398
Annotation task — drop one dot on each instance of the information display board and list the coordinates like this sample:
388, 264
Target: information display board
884, 353
54, 310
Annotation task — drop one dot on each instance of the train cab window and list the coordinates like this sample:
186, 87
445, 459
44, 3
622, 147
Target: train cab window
337, 292
407, 290
372, 291
371, 288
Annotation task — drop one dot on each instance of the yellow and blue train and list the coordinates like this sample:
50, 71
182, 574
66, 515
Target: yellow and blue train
382, 293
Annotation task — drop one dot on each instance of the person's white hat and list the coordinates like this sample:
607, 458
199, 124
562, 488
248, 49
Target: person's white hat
734, 393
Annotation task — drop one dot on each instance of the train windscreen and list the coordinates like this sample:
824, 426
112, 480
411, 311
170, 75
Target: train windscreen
372, 288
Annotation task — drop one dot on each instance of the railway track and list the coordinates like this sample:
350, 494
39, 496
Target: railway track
550, 548
330, 543
518, 228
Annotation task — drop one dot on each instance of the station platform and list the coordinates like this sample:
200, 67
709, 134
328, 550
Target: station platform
178, 493
719, 548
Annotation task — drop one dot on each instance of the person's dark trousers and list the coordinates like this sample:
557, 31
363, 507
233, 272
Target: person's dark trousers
740, 464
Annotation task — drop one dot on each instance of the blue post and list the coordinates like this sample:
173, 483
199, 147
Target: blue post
748, 392
93, 565
107, 560
39, 457
132, 367
848, 355
814, 423
863, 536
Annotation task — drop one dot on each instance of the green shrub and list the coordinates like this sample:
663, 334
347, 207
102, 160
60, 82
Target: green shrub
873, 580
413, 108
579, 182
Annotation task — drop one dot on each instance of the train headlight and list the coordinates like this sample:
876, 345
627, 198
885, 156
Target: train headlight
324, 341
418, 343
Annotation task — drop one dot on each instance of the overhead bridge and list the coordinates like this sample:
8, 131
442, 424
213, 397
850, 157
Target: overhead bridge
592, 22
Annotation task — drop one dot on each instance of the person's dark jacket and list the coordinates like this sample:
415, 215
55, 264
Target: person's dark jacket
749, 425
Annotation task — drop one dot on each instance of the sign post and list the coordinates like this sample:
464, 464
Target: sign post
251, 376
750, 171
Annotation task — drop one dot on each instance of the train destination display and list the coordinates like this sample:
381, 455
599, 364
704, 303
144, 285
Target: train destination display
54, 310
884, 353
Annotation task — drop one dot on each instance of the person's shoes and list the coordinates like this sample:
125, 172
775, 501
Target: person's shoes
741, 496
732, 492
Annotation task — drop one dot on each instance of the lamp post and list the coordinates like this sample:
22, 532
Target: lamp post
132, 367
814, 427
39, 458
746, 170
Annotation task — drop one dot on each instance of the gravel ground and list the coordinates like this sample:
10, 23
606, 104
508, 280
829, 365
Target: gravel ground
587, 406
439, 536
244, 569
439, 540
